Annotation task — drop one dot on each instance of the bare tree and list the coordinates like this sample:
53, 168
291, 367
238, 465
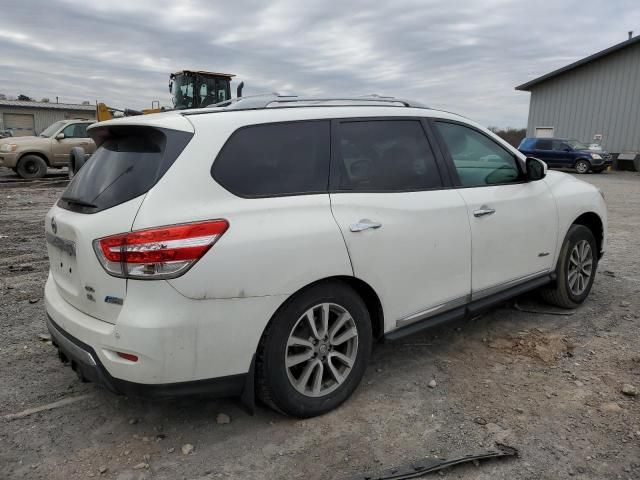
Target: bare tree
512, 135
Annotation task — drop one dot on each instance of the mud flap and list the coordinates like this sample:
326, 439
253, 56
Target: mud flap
248, 395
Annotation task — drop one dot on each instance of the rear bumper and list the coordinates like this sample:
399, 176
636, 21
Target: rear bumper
184, 346
85, 362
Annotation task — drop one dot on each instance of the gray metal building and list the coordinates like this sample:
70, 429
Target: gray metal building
594, 100
31, 118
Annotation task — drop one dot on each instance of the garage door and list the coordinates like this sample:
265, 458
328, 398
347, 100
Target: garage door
544, 132
19, 123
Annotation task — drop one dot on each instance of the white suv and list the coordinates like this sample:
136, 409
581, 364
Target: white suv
267, 243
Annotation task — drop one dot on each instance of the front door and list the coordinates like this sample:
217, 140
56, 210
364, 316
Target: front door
75, 135
407, 236
513, 223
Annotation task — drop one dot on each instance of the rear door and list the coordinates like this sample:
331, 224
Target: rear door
407, 233
513, 223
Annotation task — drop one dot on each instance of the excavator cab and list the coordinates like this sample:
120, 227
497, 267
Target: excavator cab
197, 89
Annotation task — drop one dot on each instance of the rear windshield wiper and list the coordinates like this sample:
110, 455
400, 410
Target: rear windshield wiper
80, 203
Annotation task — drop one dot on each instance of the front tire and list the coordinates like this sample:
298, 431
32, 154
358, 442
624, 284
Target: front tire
576, 269
582, 166
315, 351
31, 167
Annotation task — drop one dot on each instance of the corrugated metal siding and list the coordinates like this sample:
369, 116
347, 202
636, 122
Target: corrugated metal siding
601, 97
45, 117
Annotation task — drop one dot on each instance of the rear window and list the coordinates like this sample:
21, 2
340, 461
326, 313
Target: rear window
127, 163
527, 144
275, 159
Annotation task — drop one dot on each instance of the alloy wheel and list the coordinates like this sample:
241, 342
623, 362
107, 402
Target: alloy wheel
582, 167
321, 350
580, 267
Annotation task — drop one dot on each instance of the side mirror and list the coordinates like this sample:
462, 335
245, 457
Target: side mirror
60, 136
536, 169
567, 149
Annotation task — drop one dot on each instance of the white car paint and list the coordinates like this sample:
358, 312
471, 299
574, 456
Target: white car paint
429, 252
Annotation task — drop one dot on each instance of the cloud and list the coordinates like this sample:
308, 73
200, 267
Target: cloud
464, 56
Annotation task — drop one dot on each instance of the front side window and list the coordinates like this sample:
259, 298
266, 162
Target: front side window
478, 159
385, 156
560, 146
576, 145
76, 130
275, 159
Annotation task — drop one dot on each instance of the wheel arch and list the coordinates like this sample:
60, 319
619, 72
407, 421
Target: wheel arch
36, 154
363, 289
581, 158
593, 222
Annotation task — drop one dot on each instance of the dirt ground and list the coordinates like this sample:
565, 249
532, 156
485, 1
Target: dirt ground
549, 385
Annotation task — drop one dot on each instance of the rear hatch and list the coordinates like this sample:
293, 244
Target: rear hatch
102, 200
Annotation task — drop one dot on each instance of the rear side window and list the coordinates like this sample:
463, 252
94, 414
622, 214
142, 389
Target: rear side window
275, 159
384, 156
544, 144
127, 163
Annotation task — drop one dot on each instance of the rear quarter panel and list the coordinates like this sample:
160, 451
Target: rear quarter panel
274, 246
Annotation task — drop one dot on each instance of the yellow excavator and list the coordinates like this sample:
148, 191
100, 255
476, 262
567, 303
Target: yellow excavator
189, 89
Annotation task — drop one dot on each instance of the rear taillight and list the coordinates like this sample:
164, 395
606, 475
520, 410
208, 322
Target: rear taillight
156, 253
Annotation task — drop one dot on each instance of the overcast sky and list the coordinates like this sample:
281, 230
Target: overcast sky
463, 56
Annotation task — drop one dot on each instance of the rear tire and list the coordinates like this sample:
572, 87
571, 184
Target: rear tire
31, 166
582, 166
575, 271
306, 371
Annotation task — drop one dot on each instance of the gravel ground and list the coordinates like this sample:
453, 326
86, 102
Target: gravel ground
549, 385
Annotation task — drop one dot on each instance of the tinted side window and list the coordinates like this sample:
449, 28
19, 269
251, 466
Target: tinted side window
478, 159
544, 144
275, 159
383, 155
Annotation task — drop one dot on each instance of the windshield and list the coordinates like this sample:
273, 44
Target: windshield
182, 91
51, 129
576, 145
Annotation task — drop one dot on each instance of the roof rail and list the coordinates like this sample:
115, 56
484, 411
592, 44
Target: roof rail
275, 100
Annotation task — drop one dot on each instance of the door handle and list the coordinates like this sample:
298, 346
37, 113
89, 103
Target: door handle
483, 210
364, 224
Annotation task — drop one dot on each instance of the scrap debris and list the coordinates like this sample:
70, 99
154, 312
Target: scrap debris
565, 313
430, 465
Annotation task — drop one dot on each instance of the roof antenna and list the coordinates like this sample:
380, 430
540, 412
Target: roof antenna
630, 34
